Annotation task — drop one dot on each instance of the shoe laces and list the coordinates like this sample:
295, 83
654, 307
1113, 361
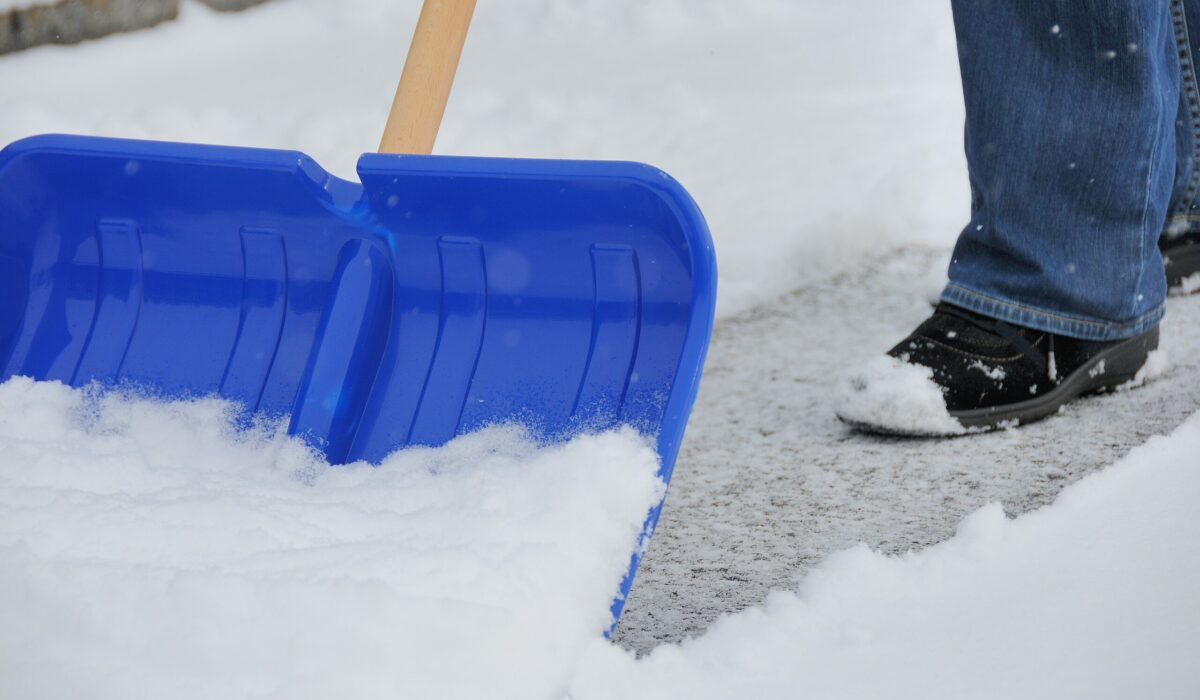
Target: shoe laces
1043, 361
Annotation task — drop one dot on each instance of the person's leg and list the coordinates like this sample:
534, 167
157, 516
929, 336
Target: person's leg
1056, 285
1071, 142
1180, 243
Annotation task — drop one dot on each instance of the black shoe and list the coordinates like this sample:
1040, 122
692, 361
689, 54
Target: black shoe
963, 372
1181, 258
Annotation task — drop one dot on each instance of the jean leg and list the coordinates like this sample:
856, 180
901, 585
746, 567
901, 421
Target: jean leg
1071, 144
1184, 212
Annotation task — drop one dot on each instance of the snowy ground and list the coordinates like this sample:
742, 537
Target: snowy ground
1094, 597
150, 550
769, 482
823, 141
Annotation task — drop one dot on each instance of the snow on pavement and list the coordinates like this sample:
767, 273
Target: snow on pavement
768, 482
1094, 597
148, 549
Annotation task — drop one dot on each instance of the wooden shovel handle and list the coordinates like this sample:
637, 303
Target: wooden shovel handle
437, 44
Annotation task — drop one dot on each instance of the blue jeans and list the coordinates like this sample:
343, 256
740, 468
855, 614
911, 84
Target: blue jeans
1082, 138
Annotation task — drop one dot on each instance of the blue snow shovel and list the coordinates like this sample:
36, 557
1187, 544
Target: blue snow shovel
440, 295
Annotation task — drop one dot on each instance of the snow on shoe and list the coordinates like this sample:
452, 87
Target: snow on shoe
893, 396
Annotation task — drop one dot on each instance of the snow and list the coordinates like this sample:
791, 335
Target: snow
1189, 285
1094, 597
997, 373
149, 549
1157, 364
144, 546
891, 394
152, 550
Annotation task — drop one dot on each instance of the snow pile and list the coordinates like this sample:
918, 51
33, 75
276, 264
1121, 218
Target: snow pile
1093, 597
890, 394
150, 550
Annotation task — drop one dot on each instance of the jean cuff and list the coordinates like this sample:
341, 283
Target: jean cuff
1056, 322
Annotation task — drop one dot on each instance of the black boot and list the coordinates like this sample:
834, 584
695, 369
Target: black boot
962, 372
1181, 257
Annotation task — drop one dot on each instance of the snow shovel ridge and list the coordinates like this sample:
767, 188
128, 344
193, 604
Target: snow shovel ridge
346, 194
339, 192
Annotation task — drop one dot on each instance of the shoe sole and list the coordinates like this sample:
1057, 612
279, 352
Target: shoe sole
1108, 370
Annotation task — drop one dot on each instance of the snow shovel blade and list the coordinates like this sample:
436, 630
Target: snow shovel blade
441, 295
